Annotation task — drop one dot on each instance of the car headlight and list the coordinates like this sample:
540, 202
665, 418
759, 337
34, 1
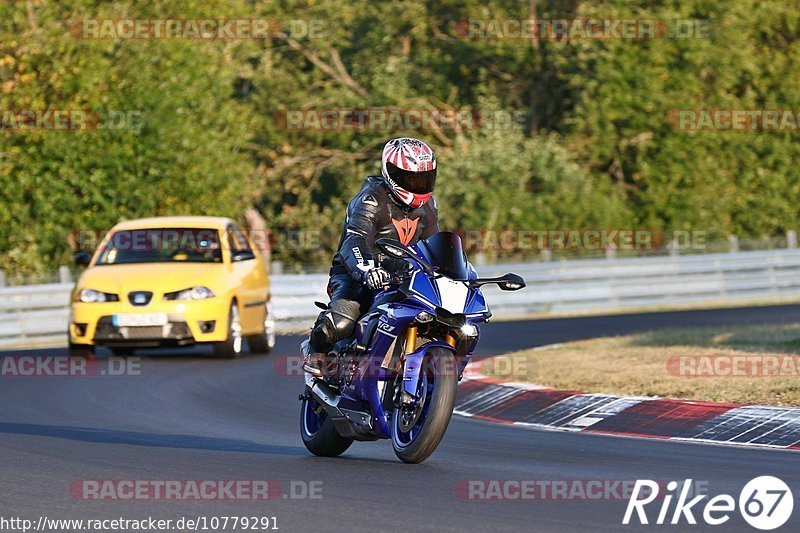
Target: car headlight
192, 293
89, 296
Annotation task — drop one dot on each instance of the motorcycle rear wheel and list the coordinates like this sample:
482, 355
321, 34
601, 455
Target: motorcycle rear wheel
319, 435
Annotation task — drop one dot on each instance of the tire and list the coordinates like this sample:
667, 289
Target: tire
122, 351
231, 347
264, 342
421, 439
318, 434
80, 350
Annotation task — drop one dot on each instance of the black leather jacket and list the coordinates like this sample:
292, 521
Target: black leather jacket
373, 214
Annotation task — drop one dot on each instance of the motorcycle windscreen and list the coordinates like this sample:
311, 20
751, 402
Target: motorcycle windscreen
445, 253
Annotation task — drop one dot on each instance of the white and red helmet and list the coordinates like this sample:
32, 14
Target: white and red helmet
409, 168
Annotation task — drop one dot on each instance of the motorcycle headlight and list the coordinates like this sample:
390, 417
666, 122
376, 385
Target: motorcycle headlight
424, 317
89, 296
192, 293
469, 330
451, 320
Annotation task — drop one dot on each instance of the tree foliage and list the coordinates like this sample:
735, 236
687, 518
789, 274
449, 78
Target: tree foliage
595, 147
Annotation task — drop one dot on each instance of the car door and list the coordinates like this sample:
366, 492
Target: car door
251, 292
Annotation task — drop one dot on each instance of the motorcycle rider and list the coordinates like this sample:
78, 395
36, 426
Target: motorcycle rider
398, 205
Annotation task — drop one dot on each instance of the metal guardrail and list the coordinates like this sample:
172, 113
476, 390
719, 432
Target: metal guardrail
37, 314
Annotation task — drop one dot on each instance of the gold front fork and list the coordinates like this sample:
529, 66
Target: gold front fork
449, 339
411, 340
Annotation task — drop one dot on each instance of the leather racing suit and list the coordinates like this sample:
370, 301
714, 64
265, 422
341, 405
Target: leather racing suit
372, 214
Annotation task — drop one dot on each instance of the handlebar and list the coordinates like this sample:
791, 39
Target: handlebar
397, 276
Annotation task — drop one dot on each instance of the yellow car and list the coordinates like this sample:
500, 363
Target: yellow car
172, 281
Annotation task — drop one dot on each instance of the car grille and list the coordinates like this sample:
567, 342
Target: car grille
143, 332
176, 330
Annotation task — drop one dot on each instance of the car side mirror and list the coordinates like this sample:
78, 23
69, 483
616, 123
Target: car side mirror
83, 258
242, 255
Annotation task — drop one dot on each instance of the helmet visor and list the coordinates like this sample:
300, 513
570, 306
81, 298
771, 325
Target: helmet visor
416, 182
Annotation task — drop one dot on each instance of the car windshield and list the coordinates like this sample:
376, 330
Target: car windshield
446, 255
162, 245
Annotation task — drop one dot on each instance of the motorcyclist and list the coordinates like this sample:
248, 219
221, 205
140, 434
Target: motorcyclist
398, 205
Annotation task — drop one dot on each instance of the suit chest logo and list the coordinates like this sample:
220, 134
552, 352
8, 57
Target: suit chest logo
406, 229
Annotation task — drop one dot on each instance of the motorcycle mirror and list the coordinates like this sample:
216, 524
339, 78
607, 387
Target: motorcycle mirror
392, 248
83, 258
396, 250
511, 282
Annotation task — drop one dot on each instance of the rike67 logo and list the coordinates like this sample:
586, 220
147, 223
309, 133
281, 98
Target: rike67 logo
765, 503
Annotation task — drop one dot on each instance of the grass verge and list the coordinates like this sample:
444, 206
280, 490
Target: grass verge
736, 364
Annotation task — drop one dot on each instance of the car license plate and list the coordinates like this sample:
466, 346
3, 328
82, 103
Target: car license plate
140, 319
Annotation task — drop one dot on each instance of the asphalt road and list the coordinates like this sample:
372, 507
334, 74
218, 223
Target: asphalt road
186, 416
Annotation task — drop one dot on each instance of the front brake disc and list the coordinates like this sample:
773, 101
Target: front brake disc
410, 414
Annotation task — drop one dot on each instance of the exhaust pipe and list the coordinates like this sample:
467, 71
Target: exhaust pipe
349, 423
325, 396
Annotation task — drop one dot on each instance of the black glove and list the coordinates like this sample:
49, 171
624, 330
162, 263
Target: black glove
377, 278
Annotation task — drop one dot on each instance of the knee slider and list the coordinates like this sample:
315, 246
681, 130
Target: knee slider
344, 314
334, 324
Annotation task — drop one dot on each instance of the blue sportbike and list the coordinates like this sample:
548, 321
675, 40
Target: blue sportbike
396, 377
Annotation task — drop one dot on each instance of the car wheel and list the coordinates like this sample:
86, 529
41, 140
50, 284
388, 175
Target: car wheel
80, 350
232, 346
264, 342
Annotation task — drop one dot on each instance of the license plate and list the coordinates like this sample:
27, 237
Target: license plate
140, 319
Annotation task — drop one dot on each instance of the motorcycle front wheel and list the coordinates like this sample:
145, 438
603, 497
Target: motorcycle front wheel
418, 429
